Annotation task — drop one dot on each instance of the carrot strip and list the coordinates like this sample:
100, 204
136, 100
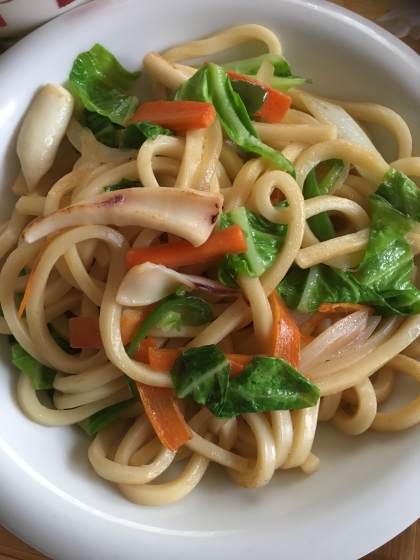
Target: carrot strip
331, 311
345, 308
229, 240
85, 333
276, 103
163, 359
286, 336
162, 409
131, 320
31, 275
277, 196
176, 115
310, 324
235, 369
27, 289
242, 359
142, 352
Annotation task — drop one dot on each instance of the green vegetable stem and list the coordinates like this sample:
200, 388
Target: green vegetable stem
282, 78
173, 311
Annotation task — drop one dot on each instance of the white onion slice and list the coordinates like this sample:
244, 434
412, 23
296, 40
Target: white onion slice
85, 142
329, 113
331, 340
355, 344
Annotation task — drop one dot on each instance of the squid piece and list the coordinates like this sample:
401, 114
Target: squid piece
187, 213
147, 283
42, 131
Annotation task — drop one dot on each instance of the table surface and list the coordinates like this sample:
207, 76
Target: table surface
405, 546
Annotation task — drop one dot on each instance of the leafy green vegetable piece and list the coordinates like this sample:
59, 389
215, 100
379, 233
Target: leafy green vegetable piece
42, 377
171, 319
336, 166
135, 134
123, 184
202, 374
266, 384
102, 83
252, 95
305, 289
264, 240
283, 83
388, 263
320, 224
181, 291
211, 84
193, 311
402, 193
250, 66
99, 420
282, 78
383, 279
101, 126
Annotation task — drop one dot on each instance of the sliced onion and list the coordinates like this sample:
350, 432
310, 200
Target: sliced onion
85, 142
347, 128
332, 340
329, 113
355, 344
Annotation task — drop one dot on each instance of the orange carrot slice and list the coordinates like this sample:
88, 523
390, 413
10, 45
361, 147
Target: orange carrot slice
31, 275
162, 409
345, 308
276, 103
176, 115
85, 333
285, 342
163, 359
277, 196
142, 352
132, 319
229, 240
237, 363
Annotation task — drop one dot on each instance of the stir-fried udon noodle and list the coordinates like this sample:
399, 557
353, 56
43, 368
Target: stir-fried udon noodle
65, 260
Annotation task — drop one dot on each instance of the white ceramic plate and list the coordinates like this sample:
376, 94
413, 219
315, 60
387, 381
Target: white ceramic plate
368, 488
